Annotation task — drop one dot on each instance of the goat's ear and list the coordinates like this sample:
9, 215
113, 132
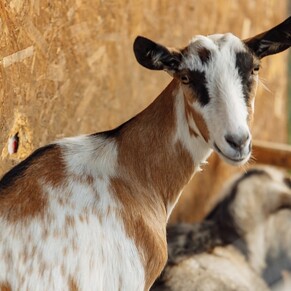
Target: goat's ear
272, 41
155, 56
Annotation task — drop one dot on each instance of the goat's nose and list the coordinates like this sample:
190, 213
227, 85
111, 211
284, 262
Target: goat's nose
237, 141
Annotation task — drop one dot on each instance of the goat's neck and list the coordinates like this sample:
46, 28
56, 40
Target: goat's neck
157, 152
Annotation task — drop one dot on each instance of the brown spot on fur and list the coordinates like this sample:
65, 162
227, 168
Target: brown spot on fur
69, 224
65, 251
81, 217
188, 115
89, 180
98, 214
204, 54
61, 201
148, 188
201, 124
85, 179
50, 217
198, 119
69, 221
5, 286
45, 234
74, 245
73, 285
21, 193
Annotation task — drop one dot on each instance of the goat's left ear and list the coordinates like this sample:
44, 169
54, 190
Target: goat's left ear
155, 56
272, 41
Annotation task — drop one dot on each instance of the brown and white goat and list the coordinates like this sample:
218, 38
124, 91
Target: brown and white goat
253, 219
90, 212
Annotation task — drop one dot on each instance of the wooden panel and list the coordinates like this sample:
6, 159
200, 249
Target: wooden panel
271, 153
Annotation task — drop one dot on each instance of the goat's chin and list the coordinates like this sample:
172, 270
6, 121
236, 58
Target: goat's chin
234, 162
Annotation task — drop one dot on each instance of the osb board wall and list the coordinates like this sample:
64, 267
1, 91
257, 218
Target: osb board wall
67, 68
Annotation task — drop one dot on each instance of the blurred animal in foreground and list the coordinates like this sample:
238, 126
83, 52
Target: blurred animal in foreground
228, 250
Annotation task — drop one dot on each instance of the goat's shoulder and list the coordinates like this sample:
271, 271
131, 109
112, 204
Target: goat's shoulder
21, 187
25, 189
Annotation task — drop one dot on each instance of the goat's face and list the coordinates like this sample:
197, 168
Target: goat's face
218, 75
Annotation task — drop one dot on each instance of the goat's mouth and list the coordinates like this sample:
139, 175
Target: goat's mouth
240, 160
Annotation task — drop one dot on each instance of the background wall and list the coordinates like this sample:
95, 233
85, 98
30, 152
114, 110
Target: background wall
67, 68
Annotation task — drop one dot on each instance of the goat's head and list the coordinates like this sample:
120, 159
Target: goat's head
218, 75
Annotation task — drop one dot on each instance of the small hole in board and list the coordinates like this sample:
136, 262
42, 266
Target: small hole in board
13, 144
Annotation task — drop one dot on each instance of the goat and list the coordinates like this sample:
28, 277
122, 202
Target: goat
254, 219
90, 212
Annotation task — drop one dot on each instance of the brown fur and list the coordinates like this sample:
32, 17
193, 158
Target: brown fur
198, 119
5, 287
72, 285
25, 198
201, 124
148, 231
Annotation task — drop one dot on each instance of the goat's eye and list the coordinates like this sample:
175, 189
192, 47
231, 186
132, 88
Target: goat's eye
185, 79
255, 70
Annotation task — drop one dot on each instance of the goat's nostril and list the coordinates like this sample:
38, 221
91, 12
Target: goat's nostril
236, 141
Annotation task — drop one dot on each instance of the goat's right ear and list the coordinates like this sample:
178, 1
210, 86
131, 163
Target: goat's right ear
155, 56
272, 41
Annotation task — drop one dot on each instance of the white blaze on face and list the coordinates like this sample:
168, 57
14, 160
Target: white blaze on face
221, 68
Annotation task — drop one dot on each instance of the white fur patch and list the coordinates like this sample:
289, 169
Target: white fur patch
80, 239
90, 155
